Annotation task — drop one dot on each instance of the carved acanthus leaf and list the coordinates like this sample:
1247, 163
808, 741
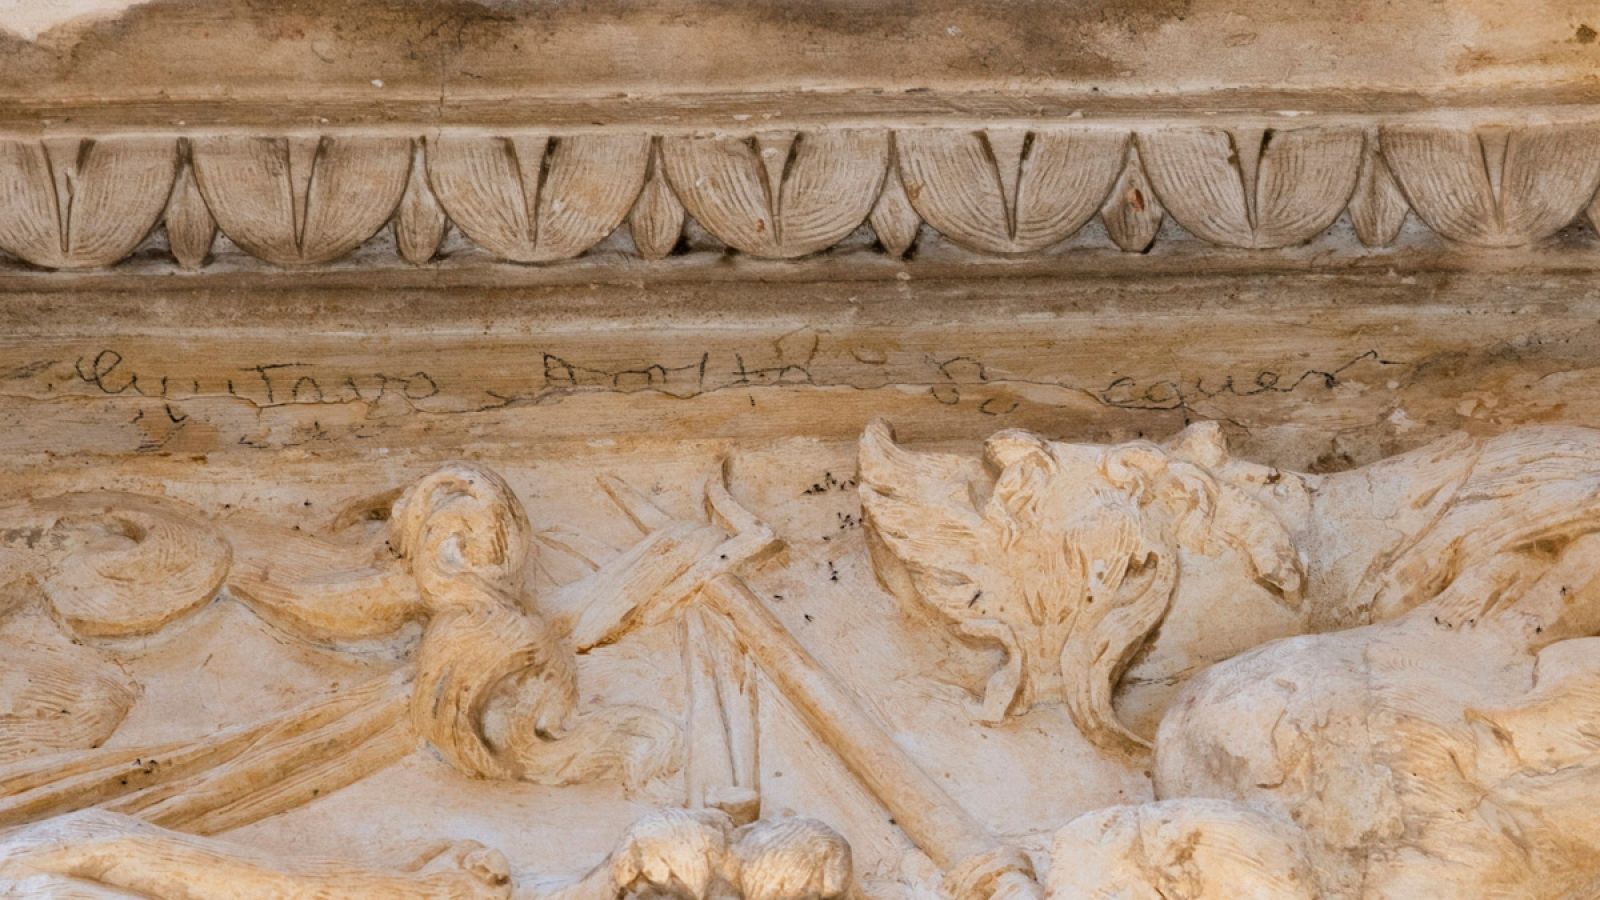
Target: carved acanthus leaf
1495, 187
1009, 190
72, 203
531, 197
779, 194
302, 199
1255, 189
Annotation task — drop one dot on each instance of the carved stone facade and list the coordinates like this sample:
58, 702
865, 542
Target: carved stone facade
1004, 449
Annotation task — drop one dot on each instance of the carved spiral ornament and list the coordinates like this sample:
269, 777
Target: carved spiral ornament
540, 197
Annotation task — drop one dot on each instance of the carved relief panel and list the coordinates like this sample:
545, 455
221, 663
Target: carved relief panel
770, 690
996, 449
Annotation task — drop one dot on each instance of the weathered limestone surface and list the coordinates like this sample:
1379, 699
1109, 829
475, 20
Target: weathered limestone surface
778, 450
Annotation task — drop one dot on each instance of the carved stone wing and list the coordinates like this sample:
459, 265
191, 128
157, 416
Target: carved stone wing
924, 531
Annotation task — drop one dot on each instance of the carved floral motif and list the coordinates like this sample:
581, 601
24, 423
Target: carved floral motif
540, 197
68, 204
301, 199
1497, 187
533, 197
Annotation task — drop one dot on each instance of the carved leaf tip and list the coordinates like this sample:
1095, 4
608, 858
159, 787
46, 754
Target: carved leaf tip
420, 223
533, 198
191, 230
1495, 187
82, 202
656, 221
893, 218
1132, 213
1378, 207
1253, 188
301, 200
779, 195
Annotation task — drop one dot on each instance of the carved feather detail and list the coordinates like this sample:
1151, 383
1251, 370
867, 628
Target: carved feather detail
57, 696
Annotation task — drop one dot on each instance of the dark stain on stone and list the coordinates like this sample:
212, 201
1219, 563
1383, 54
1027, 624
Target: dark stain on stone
174, 44
1585, 34
1332, 461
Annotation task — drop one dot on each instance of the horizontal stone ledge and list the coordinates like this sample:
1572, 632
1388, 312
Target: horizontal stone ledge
1375, 377
376, 266
271, 110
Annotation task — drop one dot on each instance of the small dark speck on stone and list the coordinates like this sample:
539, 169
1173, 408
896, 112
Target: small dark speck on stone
1586, 35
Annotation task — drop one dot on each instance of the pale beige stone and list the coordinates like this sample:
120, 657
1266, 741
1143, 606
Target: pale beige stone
967, 449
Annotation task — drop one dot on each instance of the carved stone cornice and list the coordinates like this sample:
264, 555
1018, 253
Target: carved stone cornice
1011, 187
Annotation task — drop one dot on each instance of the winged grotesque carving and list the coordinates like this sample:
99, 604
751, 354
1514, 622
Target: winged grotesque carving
1066, 555
1430, 736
